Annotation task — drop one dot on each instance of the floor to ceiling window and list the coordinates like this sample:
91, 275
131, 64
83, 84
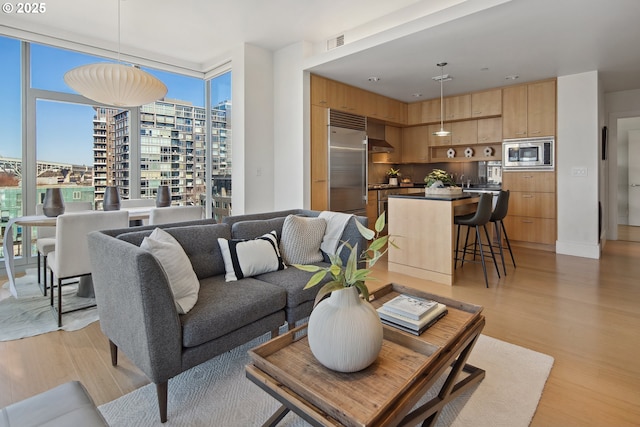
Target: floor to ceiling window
73, 143
221, 139
10, 139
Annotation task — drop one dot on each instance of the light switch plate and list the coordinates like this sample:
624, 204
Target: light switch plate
578, 171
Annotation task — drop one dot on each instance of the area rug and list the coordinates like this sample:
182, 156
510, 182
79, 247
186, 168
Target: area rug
30, 314
217, 393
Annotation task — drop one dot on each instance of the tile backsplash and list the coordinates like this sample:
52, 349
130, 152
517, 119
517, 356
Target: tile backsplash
474, 171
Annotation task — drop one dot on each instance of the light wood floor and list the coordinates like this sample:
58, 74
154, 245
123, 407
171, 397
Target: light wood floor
585, 313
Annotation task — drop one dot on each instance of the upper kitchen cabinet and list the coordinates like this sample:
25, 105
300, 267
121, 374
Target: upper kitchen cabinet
424, 112
490, 131
541, 109
385, 109
486, 104
344, 98
529, 110
457, 107
319, 91
415, 144
393, 135
439, 141
464, 133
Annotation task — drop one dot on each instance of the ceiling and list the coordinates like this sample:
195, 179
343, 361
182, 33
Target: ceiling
482, 41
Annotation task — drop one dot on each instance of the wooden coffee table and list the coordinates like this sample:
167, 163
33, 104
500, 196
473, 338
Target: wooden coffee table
385, 393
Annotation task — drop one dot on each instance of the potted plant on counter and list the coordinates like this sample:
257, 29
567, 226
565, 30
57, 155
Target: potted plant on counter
344, 331
393, 176
440, 182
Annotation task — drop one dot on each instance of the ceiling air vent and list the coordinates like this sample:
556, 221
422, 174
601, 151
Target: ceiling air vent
335, 42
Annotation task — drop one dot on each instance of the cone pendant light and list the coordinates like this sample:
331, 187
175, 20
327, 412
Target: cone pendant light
115, 83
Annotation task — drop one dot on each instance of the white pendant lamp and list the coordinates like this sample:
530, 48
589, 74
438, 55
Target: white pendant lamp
115, 83
442, 77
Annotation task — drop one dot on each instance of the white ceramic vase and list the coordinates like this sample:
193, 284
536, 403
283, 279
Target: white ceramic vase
345, 332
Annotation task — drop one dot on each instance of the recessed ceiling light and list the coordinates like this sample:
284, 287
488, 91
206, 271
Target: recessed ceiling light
484, 69
416, 95
374, 79
512, 77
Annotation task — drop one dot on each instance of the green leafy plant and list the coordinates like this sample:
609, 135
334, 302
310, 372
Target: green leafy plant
393, 173
439, 175
344, 276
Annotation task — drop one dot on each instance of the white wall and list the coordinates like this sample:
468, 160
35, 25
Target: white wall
252, 123
578, 138
291, 135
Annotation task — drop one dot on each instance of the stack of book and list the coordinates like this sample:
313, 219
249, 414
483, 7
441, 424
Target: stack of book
411, 314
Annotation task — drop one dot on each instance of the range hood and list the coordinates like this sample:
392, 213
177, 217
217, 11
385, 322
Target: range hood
379, 146
376, 136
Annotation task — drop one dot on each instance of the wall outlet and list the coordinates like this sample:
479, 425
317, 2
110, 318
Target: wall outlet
579, 171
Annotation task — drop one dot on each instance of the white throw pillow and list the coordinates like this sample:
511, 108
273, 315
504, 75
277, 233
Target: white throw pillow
301, 239
176, 265
246, 258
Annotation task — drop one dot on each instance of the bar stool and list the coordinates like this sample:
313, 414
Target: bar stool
478, 219
498, 214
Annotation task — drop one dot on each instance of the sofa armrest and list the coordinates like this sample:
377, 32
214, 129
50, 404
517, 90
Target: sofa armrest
135, 305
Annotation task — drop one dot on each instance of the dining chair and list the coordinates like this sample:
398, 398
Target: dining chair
46, 238
137, 203
174, 214
71, 255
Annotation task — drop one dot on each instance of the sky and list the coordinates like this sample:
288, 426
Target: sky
64, 132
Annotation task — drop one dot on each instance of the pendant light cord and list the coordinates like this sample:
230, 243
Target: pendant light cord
441, 98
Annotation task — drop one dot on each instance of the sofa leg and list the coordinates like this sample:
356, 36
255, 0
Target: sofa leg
114, 353
161, 390
291, 325
275, 332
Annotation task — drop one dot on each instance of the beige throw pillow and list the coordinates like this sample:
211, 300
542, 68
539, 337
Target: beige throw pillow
176, 265
301, 239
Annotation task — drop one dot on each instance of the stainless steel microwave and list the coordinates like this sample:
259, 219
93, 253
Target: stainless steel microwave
528, 153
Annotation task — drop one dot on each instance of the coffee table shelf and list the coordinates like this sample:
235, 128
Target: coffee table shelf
383, 393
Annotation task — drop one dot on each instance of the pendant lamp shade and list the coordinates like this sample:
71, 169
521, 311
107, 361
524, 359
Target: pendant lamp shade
115, 84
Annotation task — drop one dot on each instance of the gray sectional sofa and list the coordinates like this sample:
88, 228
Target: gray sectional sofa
138, 314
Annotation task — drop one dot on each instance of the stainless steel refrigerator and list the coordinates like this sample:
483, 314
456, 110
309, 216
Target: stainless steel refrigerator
347, 163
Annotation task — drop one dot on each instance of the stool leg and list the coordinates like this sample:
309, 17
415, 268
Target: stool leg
499, 237
455, 259
464, 248
484, 267
493, 255
506, 238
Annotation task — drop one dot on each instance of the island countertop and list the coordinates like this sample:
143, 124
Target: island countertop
443, 197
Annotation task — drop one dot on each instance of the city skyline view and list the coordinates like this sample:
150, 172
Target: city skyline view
64, 131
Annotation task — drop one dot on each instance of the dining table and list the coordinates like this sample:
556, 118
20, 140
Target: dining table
135, 214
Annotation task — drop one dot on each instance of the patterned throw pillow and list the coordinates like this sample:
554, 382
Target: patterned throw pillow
246, 258
301, 239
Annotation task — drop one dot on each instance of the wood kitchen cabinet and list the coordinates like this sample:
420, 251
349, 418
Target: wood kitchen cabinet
393, 135
457, 107
372, 207
415, 144
532, 206
424, 112
319, 158
319, 91
490, 131
529, 110
464, 133
439, 141
487, 103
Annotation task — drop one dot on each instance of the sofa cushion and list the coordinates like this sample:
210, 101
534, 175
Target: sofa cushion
176, 265
254, 228
294, 281
224, 307
200, 243
246, 258
301, 239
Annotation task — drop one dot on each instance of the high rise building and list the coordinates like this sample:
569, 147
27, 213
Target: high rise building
173, 151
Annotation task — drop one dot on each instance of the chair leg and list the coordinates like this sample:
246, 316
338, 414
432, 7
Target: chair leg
52, 286
114, 353
493, 255
162, 390
45, 274
506, 238
59, 302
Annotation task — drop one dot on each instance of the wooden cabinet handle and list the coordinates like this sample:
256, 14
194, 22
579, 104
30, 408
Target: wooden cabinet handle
527, 196
526, 221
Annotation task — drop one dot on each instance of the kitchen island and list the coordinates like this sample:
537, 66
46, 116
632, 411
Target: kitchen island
422, 228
